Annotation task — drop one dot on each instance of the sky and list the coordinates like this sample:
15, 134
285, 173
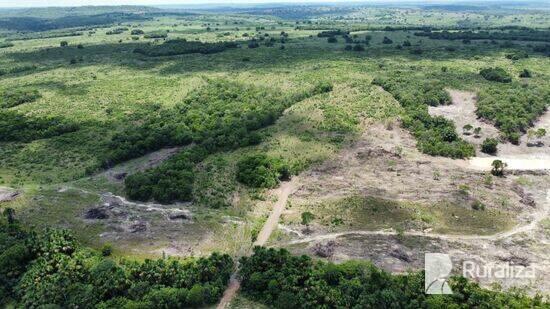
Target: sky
43, 3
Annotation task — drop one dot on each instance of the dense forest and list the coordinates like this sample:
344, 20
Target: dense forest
279, 279
50, 268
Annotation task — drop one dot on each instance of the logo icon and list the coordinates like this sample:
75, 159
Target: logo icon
437, 269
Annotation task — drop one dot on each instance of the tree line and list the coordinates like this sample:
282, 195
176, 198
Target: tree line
278, 279
219, 116
182, 46
50, 269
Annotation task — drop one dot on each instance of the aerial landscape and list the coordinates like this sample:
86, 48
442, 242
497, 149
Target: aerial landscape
274, 155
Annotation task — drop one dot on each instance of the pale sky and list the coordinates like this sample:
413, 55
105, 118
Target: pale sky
43, 3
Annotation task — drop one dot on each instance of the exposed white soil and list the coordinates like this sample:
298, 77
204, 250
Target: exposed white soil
385, 163
528, 155
8, 194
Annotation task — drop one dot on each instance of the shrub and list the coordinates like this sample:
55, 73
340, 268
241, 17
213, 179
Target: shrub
496, 75
137, 32
358, 47
12, 98
332, 39
253, 44
64, 44
260, 171
525, 74
489, 146
387, 40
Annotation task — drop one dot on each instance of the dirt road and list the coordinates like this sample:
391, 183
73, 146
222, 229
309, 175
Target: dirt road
518, 162
272, 222
538, 216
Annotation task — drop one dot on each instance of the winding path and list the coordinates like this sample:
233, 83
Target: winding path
538, 216
270, 224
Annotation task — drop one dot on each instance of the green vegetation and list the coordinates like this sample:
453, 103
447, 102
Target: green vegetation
489, 145
181, 47
496, 75
436, 135
278, 279
220, 116
259, 171
513, 108
12, 98
51, 268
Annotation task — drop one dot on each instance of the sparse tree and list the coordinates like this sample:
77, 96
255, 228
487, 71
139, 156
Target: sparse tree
498, 168
477, 131
307, 217
467, 129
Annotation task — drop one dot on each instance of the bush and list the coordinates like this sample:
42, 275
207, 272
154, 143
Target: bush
435, 135
253, 44
332, 39
358, 47
496, 75
489, 146
12, 98
525, 74
387, 40
260, 171
137, 32
64, 44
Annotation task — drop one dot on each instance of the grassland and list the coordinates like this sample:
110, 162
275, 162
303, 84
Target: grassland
100, 87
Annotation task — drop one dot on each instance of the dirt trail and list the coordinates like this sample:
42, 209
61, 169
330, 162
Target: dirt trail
538, 216
272, 222
521, 163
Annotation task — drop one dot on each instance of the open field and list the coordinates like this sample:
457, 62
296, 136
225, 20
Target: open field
159, 132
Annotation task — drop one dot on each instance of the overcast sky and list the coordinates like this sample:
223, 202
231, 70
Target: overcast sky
32, 3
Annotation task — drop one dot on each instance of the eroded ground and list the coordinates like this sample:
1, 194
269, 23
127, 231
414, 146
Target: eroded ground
382, 200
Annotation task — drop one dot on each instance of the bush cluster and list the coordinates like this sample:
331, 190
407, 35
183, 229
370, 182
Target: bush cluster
513, 108
182, 47
435, 135
261, 171
496, 75
50, 269
21, 128
12, 98
219, 116
514, 35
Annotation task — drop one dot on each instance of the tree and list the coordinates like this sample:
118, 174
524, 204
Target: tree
498, 168
387, 40
64, 44
9, 213
466, 130
477, 131
489, 145
332, 39
307, 217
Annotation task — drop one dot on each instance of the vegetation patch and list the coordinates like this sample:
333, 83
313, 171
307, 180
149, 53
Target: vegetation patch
50, 267
261, 171
496, 75
435, 135
12, 98
220, 116
279, 279
513, 108
182, 47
